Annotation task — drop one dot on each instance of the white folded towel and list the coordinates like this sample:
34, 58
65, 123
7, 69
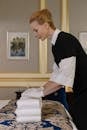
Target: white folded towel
29, 106
29, 103
25, 119
33, 92
28, 112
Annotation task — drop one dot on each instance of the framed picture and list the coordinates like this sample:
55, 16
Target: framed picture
18, 45
83, 40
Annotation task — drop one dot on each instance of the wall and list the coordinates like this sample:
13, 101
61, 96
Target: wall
78, 16
14, 17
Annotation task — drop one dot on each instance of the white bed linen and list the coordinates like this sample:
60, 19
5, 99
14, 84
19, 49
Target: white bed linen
74, 126
3, 103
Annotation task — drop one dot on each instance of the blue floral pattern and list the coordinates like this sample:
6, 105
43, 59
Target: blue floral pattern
54, 117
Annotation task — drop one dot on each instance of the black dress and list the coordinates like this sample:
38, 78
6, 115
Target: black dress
67, 46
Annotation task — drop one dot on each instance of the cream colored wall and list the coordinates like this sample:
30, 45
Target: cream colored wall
14, 17
78, 16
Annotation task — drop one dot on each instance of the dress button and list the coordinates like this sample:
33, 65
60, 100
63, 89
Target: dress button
55, 94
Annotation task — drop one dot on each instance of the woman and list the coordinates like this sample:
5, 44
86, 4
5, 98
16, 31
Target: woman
70, 63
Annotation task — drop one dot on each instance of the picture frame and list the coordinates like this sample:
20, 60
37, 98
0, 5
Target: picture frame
18, 45
83, 40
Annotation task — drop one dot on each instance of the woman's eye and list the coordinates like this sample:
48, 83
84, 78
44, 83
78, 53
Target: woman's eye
35, 30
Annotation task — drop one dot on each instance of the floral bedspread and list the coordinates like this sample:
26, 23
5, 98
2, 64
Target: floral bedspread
54, 117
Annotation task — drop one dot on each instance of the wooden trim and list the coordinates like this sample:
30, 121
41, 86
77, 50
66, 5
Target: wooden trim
22, 79
64, 15
42, 48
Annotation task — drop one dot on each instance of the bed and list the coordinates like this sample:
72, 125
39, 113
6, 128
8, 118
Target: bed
54, 117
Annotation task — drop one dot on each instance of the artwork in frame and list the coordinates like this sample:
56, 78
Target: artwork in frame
83, 40
18, 45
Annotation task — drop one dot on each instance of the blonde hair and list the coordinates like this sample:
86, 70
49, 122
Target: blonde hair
42, 16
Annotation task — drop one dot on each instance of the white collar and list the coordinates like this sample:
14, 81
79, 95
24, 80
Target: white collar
55, 35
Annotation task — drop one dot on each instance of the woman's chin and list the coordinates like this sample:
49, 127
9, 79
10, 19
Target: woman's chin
42, 39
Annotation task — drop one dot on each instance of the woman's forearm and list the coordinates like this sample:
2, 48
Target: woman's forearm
51, 87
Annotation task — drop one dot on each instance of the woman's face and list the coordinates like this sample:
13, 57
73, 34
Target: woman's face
41, 31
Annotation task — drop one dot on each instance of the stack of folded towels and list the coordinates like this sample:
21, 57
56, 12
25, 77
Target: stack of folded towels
29, 106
